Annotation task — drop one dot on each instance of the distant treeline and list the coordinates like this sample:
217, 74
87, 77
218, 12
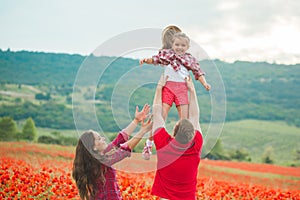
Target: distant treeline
257, 90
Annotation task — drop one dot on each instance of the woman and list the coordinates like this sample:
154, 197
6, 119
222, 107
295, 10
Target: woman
92, 171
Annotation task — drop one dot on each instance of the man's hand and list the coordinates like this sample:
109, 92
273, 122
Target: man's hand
190, 84
162, 81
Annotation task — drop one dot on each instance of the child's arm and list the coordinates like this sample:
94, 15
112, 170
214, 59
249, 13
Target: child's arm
162, 58
191, 63
202, 80
146, 60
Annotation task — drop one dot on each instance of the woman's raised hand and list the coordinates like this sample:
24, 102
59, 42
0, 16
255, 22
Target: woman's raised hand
143, 114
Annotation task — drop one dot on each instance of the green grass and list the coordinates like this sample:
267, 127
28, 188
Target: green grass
256, 135
48, 131
24, 89
27, 92
252, 135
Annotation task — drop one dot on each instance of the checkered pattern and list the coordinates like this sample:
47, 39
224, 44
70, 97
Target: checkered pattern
111, 190
169, 57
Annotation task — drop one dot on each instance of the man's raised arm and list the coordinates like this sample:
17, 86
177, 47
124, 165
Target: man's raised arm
194, 112
158, 120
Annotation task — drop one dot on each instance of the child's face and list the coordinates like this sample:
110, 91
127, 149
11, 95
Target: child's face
180, 46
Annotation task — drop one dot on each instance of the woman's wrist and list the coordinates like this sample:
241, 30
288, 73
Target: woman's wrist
136, 121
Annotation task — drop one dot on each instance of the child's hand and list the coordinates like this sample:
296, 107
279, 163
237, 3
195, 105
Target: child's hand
146, 60
142, 61
207, 86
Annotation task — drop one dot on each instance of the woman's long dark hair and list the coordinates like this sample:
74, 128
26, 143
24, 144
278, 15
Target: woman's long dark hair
87, 166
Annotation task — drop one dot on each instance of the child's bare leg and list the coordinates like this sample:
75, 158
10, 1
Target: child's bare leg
165, 110
183, 111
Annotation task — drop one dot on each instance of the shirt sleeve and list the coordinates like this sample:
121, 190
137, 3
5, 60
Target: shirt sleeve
197, 71
192, 64
161, 138
198, 140
118, 154
120, 139
163, 57
117, 150
155, 59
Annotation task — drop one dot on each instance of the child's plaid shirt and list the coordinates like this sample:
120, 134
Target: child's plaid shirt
169, 57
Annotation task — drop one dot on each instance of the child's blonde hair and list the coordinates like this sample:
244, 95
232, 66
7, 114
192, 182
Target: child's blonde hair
167, 36
181, 35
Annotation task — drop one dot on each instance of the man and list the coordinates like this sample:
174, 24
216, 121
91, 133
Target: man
178, 157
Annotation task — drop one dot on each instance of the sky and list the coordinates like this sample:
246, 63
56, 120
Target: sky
229, 30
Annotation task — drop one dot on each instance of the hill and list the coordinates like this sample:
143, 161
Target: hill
257, 90
257, 136
254, 92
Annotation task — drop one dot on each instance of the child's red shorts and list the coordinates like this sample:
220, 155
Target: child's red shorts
176, 92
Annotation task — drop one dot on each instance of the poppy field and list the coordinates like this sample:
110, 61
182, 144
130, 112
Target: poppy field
38, 171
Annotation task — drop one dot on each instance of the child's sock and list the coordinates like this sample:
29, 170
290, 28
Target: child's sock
149, 143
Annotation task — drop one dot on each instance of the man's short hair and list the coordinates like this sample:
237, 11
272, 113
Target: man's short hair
184, 131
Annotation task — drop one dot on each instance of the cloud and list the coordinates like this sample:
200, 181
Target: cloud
228, 30
252, 31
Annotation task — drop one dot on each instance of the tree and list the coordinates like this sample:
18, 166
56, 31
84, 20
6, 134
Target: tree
268, 155
217, 153
8, 129
297, 155
69, 99
41, 96
29, 130
240, 154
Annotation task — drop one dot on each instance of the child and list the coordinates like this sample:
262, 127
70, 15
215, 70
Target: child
177, 63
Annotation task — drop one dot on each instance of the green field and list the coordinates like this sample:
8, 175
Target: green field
254, 136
